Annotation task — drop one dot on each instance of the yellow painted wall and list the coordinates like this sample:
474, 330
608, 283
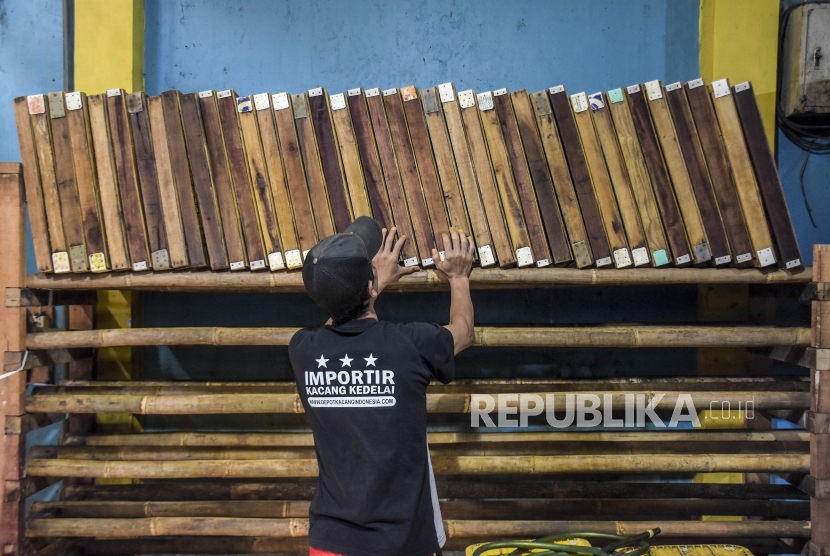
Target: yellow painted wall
109, 45
739, 41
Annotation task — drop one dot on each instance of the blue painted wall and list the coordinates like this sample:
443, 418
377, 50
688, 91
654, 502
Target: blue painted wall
31, 62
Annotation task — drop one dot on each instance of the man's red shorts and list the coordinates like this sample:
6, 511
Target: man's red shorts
316, 552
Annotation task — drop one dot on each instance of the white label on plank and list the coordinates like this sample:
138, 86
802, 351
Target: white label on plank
206, 94
354, 92
654, 90
640, 256
633, 89
499, 92
275, 261
720, 88
60, 262
140, 266
684, 259
524, 256
372, 92
73, 101
281, 101
223, 94
37, 104
580, 102
318, 92
557, 89
765, 257
793, 263
740, 87
161, 259
244, 104
673, 86
543, 262
695, 83
411, 262
293, 259
743, 258
338, 101
114, 93
621, 258
603, 262
389, 92
467, 99
239, 265
485, 256
97, 262
445, 92
256, 265
485, 101
261, 101
596, 101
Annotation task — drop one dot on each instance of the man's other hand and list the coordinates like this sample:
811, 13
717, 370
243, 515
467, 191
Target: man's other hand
385, 263
458, 256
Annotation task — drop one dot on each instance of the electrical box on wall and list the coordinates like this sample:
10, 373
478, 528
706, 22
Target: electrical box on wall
805, 86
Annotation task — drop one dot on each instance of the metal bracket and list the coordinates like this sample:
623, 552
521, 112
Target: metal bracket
74, 101
161, 259
579, 101
499, 92
654, 90
293, 259
138, 267
684, 259
615, 96
741, 87
275, 261
603, 262
256, 265
134, 104
56, 109
427, 262
720, 88
206, 94
223, 94
389, 92
355, 92
640, 256
660, 257
673, 86
238, 265
305, 253
485, 101
338, 101
793, 263
318, 92
541, 103
485, 256
280, 101
97, 262
524, 256
60, 262
37, 104
596, 101
557, 89
695, 83
372, 92
244, 104
543, 262
413, 261
467, 99
445, 92
723, 260
300, 106
78, 258
633, 89
621, 258
114, 93
766, 257
409, 93
702, 253
261, 101
743, 258
429, 97
582, 257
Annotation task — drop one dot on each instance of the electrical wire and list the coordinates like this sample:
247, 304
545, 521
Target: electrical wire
550, 546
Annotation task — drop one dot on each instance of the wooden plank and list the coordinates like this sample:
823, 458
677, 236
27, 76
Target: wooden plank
294, 172
83, 157
411, 182
600, 247
678, 173
108, 188
619, 179
425, 164
122, 139
543, 190
148, 181
391, 175
503, 173
276, 179
49, 183
25, 297
521, 178
257, 169
197, 152
344, 130
168, 193
313, 166
220, 169
639, 178
369, 159
701, 184
240, 179
171, 100
743, 173
447, 172
67, 188
561, 179
34, 190
672, 220
320, 112
714, 154
483, 168
603, 190
767, 175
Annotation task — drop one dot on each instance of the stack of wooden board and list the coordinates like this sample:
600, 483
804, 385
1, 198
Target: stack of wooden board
649, 175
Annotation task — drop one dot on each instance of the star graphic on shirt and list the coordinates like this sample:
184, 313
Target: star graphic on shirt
322, 361
347, 361
370, 360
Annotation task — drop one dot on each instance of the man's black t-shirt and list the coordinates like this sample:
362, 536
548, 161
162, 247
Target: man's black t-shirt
363, 385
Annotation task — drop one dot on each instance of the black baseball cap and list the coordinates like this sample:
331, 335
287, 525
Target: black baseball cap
336, 270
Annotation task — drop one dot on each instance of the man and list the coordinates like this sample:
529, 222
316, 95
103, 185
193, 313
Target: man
363, 384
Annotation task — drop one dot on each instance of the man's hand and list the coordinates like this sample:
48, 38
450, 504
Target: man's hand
385, 263
458, 256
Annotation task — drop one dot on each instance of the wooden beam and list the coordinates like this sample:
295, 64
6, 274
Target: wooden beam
12, 360
25, 297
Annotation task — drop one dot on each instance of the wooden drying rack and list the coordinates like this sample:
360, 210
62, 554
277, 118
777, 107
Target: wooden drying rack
246, 517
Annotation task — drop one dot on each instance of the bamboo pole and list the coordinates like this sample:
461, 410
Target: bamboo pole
306, 439
449, 465
246, 527
598, 336
448, 487
450, 509
425, 280
208, 404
